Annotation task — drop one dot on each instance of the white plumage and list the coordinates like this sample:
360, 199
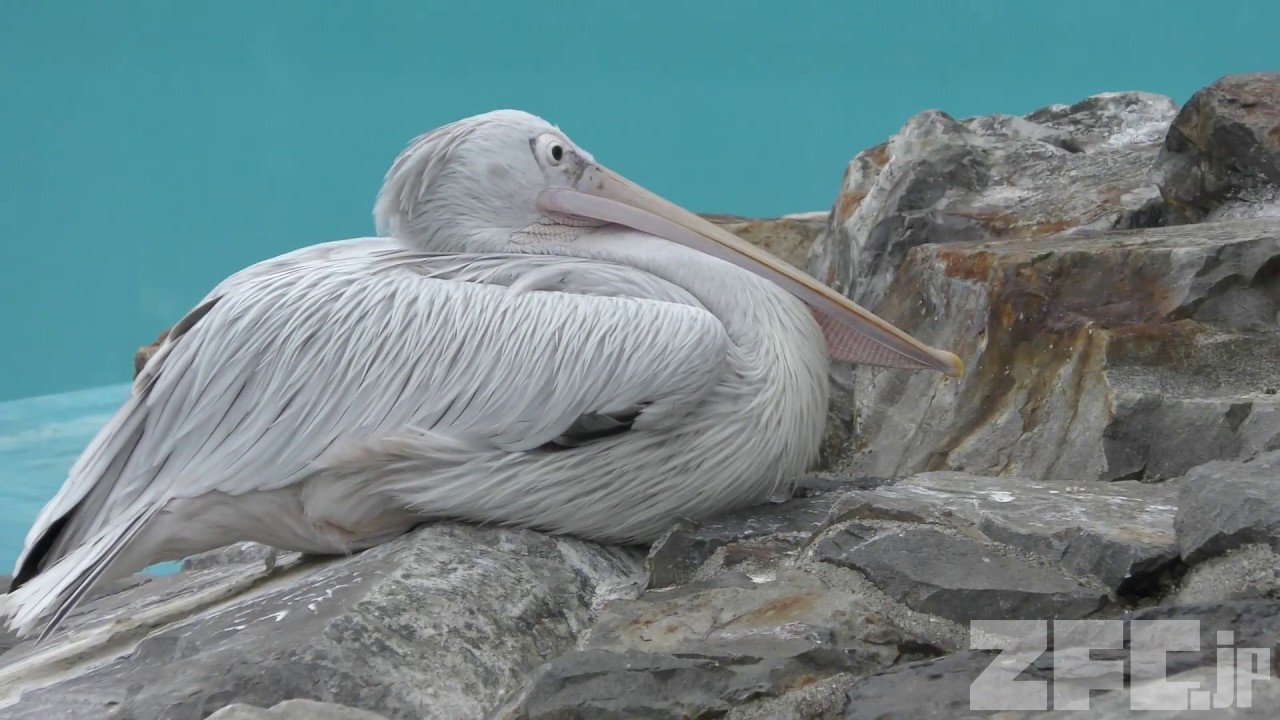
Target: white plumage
521, 350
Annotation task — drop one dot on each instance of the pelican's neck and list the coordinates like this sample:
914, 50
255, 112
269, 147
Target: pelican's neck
779, 368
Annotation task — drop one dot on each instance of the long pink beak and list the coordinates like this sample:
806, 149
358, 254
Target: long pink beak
853, 333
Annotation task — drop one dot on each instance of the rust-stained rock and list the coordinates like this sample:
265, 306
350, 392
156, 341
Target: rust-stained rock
940, 180
789, 237
1221, 158
1122, 354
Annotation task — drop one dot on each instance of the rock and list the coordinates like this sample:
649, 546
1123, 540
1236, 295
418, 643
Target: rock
437, 624
1221, 157
823, 700
1246, 573
941, 688
925, 690
1253, 624
600, 685
1110, 355
1264, 697
8, 639
701, 649
294, 710
764, 534
237, 554
1119, 533
1227, 505
940, 180
1115, 119
957, 578
789, 237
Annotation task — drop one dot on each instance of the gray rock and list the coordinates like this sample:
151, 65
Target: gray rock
764, 534
821, 700
294, 710
1246, 573
1253, 624
601, 685
955, 577
7, 637
1264, 698
1114, 119
1226, 505
1120, 533
1112, 355
941, 688
940, 180
1221, 158
926, 690
701, 649
437, 624
237, 554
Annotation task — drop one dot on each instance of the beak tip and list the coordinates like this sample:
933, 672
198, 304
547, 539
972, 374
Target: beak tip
956, 367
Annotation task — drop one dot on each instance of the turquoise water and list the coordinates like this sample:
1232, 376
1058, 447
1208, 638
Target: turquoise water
148, 149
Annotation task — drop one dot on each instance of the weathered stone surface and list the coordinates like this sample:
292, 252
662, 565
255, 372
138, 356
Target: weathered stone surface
925, 690
1221, 157
1120, 533
8, 639
698, 650
437, 624
940, 688
822, 700
765, 534
732, 614
789, 237
294, 710
601, 685
1226, 505
1253, 624
237, 554
956, 577
940, 180
1114, 119
1109, 355
1156, 698
1250, 572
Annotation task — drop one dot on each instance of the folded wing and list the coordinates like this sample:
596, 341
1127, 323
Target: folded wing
326, 348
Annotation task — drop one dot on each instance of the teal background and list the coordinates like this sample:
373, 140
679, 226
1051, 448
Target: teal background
149, 149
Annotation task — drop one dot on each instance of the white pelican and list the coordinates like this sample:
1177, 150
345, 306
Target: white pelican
538, 343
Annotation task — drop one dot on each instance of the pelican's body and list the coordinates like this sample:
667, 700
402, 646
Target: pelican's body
539, 364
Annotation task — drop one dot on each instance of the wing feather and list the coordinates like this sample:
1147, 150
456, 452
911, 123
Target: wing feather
347, 343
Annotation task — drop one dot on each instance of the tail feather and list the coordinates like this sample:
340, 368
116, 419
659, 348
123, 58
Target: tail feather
63, 585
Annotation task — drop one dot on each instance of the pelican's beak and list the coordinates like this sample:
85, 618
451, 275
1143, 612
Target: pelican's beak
856, 335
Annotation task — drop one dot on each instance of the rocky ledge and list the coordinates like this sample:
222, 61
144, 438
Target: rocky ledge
1109, 269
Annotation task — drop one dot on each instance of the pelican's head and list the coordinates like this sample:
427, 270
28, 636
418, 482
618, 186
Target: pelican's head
475, 184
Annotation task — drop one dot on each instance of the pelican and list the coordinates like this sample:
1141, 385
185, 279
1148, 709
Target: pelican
531, 340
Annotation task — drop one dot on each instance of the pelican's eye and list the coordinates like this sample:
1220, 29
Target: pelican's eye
550, 149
